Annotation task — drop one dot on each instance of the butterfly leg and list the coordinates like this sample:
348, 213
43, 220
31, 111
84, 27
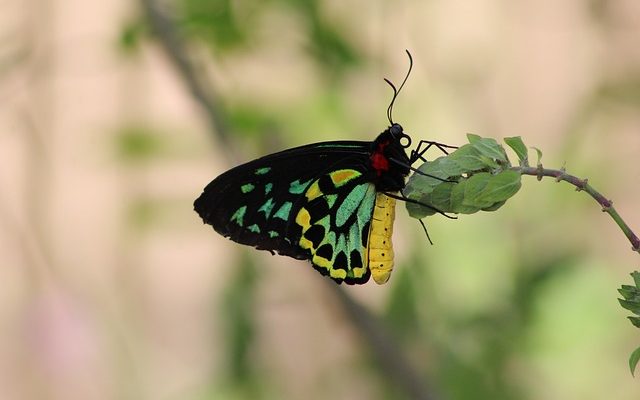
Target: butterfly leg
424, 227
417, 171
418, 153
404, 198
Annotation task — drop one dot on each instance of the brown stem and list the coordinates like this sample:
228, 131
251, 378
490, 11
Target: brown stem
582, 184
197, 84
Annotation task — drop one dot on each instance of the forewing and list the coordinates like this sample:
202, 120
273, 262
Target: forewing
256, 203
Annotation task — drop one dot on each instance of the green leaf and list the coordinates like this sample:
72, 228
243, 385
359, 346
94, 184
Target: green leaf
420, 185
629, 292
636, 278
500, 187
417, 211
487, 147
631, 295
474, 189
458, 204
539, 154
635, 321
473, 138
632, 306
440, 198
468, 158
443, 167
490, 162
495, 206
633, 360
481, 180
437, 169
517, 145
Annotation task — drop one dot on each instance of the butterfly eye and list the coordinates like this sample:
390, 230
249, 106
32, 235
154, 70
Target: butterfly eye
405, 140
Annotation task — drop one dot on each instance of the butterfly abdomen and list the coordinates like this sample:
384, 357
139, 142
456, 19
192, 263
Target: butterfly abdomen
380, 251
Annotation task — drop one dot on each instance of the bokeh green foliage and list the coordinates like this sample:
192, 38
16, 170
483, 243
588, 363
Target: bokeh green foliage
240, 331
425, 324
225, 26
138, 143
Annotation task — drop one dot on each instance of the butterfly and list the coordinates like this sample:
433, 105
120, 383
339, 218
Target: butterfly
332, 203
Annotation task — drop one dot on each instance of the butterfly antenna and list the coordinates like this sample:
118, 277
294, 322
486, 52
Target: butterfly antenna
408, 71
393, 99
397, 91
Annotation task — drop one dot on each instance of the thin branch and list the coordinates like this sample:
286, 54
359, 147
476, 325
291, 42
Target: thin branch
198, 85
582, 184
384, 347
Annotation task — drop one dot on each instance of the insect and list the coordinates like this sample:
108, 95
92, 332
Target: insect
332, 203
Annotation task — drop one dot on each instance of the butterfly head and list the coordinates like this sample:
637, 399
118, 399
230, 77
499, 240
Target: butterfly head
398, 135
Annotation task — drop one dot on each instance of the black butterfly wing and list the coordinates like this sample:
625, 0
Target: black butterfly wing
256, 203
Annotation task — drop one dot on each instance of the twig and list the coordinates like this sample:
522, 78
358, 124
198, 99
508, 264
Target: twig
200, 88
582, 184
385, 347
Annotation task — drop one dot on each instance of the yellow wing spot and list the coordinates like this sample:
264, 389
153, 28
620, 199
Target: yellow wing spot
342, 176
314, 191
321, 262
305, 243
338, 273
359, 272
380, 251
303, 219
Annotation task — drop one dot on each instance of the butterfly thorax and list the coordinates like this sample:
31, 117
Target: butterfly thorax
389, 160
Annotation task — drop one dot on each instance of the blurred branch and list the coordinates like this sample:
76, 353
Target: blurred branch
384, 347
200, 88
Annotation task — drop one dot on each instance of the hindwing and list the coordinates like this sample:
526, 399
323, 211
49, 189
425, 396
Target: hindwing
334, 220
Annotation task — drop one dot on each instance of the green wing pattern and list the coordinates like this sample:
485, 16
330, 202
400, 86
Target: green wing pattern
335, 220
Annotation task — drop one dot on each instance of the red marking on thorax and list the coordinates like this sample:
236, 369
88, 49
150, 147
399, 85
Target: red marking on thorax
379, 161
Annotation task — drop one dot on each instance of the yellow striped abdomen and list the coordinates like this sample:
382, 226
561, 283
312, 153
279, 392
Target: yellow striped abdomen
380, 251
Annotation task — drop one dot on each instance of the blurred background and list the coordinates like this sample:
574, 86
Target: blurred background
114, 116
